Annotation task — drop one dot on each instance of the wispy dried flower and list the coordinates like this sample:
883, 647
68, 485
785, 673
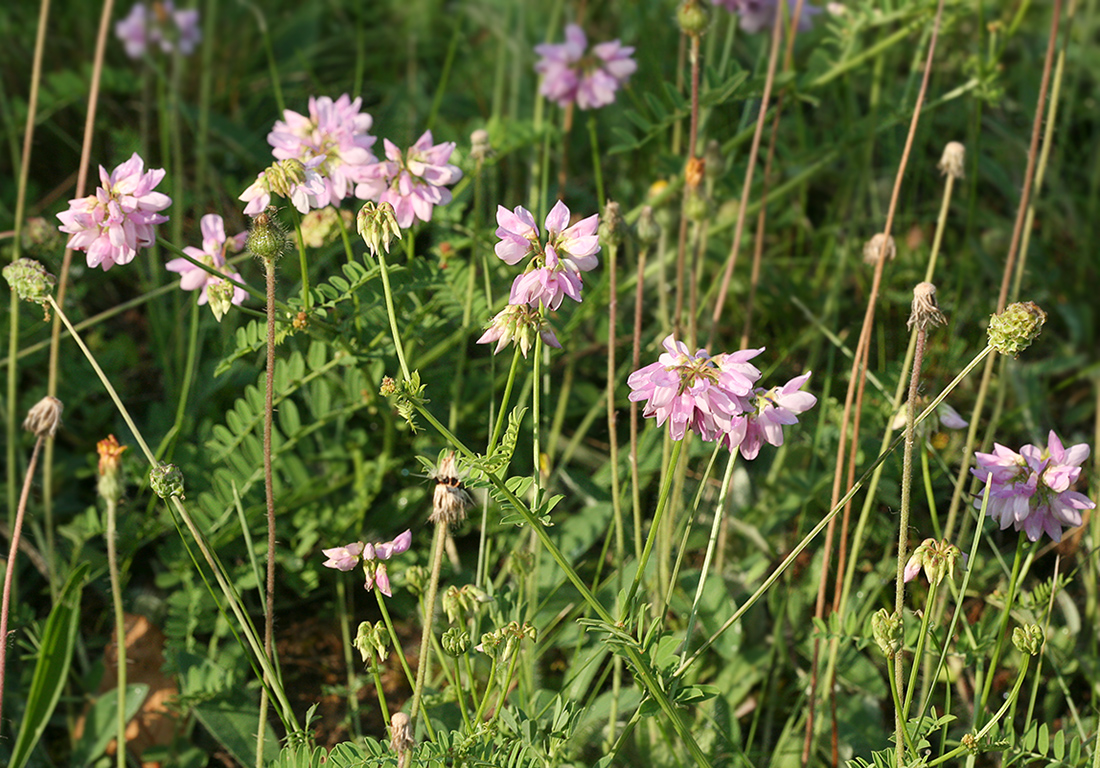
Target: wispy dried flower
450, 499
401, 737
45, 417
873, 247
926, 311
954, 157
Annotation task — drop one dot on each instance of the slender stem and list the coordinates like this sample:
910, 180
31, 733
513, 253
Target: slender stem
502, 415
597, 171
409, 676
655, 525
384, 268
429, 618
379, 689
918, 654
269, 491
635, 489
9, 572
904, 739
303, 262
120, 630
1006, 615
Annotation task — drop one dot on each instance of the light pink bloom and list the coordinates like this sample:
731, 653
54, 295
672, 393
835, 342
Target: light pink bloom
756, 15
343, 558
120, 217
374, 557
1029, 490
336, 133
555, 268
214, 247
312, 187
698, 392
571, 74
412, 182
772, 410
519, 323
162, 25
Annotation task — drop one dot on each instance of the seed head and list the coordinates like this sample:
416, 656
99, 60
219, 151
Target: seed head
401, 737
693, 172
926, 311
873, 248
647, 230
450, 499
30, 281
953, 160
45, 417
166, 480
1012, 331
480, 148
266, 239
611, 224
693, 17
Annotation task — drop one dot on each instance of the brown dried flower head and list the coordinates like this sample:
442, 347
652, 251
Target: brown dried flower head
401, 737
45, 417
873, 247
450, 499
926, 311
953, 160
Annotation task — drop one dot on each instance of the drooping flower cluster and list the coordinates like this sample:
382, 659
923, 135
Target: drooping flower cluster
214, 247
296, 181
755, 15
714, 397
414, 181
1030, 490
553, 272
573, 75
160, 25
372, 556
119, 218
335, 136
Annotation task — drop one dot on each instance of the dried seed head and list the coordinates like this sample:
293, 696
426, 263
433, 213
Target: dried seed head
109, 484
926, 311
450, 499
401, 737
45, 417
873, 248
1012, 331
953, 160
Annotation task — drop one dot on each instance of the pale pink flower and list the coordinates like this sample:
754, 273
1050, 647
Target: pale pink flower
1029, 490
161, 25
755, 15
374, 557
336, 132
343, 558
572, 74
772, 409
214, 247
413, 182
275, 180
110, 225
519, 324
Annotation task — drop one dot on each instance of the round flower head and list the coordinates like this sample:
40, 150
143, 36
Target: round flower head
163, 25
697, 392
556, 266
412, 182
214, 246
571, 74
120, 217
335, 132
1029, 490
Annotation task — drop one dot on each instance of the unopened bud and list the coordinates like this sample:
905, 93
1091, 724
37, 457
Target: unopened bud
715, 163
693, 17
1012, 331
219, 295
110, 452
480, 148
647, 230
611, 224
30, 280
45, 417
887, 631
378, 226
455, 642
1028, 639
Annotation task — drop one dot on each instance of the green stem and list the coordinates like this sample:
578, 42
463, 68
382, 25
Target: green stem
596, 169
409, 676
1006, 616
662, 503
429, 619
120, 630
502, 415
303, 262
918, 654
905, 740
385, 272
379, 689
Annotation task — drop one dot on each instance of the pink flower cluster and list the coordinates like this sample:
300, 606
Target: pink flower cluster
333, 140
414, 181
214, 247
572, 75
110, 225
553, 272
161, 25
714, 397
756, 15
372, 556
1030, 490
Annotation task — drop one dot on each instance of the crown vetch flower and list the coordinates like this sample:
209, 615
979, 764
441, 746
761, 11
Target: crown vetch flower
163, 25
412, 182
214, 247
372, 556
343, 558
519, 323
756, 15
570, 75
119, 218
293, 179
556, 267
772, 410
700, 392
1029, 490
336, 133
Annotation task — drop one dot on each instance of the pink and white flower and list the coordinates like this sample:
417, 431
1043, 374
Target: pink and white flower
214, 247
1029, 490
336, 132
110, 225
772, 409
372, 556
755, 15
162, 25
413, 182
572, 74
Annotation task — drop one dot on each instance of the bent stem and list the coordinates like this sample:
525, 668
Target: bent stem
9, 572
429, 618
120, 630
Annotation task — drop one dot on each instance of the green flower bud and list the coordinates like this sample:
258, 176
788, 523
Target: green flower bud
30, 281
266, 239
166, 480
887, 631
455, 642
611, 224
1012, 331
693, 17
647, 230
372, 638
219, 295
1028, 639
378, 225
416, 577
